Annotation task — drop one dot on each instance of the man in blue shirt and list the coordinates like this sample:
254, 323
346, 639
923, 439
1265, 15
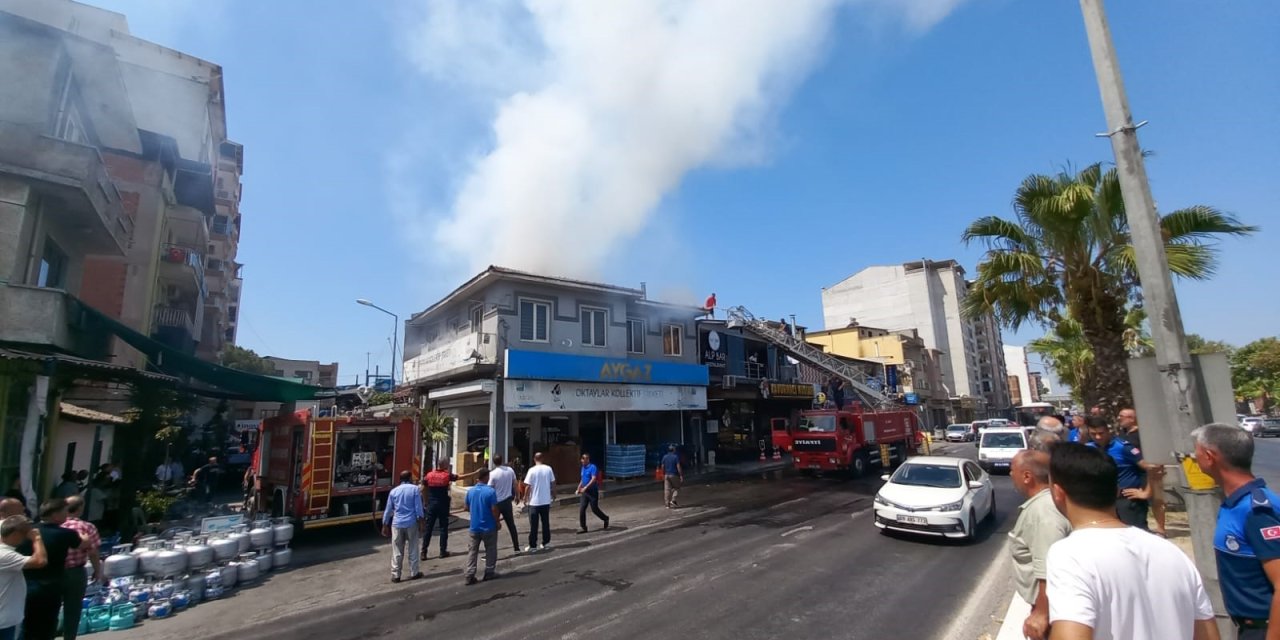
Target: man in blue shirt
672, 476
1246, 541
589, 494
402, 520
1131, 503
482, 502
1077, 430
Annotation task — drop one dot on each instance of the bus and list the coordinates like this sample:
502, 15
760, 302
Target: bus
1029, 414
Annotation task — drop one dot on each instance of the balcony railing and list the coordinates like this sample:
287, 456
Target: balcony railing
185, 256
174, 317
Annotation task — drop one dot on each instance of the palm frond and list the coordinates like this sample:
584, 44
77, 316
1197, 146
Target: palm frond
1202, 222
996, 231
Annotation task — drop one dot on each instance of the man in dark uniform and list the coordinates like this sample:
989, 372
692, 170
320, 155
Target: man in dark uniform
435, 495
45, 584
1246, 541
1131, 505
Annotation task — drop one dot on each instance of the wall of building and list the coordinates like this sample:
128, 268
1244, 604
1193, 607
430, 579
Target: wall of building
1016, 362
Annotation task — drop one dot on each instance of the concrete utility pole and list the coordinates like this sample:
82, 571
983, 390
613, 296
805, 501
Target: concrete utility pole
1179, 380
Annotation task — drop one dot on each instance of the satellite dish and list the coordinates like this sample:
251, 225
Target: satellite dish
364, 393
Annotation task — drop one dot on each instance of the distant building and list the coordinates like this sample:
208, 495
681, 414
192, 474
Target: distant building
926, 296
906, 360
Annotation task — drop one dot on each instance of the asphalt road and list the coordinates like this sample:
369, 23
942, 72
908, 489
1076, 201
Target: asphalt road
756, 558
1266, 460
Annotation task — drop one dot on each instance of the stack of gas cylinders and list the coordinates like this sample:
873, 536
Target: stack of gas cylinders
158, 578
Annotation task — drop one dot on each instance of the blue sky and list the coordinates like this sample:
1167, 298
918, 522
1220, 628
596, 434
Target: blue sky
878, 130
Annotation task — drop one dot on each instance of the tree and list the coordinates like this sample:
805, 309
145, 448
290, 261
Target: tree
154, 429
1067, 352
438, 427
246, 360
1199, 345
1255, 370
1067, 255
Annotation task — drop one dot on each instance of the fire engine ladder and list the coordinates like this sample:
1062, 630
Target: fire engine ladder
801, 350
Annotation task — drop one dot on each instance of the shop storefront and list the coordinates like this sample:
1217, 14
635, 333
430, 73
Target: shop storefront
562, 404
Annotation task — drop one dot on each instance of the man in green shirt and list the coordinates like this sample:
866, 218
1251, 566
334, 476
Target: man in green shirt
1039, 525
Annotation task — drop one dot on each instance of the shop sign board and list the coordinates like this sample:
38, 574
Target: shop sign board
804, 391
552, 395
217, 524
536, 365
715, 350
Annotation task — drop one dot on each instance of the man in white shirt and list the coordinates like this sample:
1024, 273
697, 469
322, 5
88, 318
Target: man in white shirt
503, 481
14, 531
1109, 581
539, 484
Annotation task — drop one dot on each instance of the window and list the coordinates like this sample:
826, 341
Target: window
68, 124
215, 264
231, 313
635, 336
220, 223
53, 266
535, 321
477, 318
594, 326
672, 340
305, 375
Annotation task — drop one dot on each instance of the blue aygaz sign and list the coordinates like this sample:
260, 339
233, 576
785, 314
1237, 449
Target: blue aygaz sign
537, 365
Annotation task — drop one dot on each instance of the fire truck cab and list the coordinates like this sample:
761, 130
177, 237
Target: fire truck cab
328, 471
850, 440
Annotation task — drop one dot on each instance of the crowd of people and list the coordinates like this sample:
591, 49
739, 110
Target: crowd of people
43, 567
1087, 565
414, 513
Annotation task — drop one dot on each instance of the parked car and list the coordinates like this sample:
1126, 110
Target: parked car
1251, 423
935, 496
1269, 428
959, 433
998, 445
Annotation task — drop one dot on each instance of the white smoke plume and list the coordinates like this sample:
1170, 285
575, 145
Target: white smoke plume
603, 107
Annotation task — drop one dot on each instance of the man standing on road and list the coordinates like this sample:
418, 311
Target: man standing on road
1048, 431
44, 584
74, 586
435, 493
1039, 525
672, 476
402, 521
482, 502
203, 480
539, 483
1109, 581
503, 480
1247, 539
589, 494
1131, 504
1077, 432
1128, 421
15, 531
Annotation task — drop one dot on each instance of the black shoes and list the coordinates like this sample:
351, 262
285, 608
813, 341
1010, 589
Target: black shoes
471, 580
606, 524
445, 554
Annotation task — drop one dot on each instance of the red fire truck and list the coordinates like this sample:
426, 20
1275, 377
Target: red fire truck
329, 471
850, 440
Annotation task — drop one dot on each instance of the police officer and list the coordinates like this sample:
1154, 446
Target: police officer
1131, 503
435, 495
1246, 541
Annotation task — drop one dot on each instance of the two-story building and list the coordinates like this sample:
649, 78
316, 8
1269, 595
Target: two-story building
752, 382
524, 363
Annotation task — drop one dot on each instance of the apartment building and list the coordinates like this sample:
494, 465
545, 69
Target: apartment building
525, 362
925, 295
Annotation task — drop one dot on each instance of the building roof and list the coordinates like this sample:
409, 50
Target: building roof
495, 273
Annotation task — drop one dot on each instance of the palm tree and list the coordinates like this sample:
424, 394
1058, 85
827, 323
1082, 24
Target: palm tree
438, 427
1068, 255
1067, 352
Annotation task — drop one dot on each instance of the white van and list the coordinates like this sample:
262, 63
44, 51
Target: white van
998, 445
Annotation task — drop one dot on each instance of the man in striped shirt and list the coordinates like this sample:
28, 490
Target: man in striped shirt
74, 583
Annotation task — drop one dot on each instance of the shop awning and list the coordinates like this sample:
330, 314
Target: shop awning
233, 382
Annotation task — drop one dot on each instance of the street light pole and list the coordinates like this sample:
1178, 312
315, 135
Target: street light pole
395, 336
1179, 380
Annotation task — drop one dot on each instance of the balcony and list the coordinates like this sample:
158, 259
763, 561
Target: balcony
48, 318
189, 225
183, 266
174, 317
451, 358
72, 178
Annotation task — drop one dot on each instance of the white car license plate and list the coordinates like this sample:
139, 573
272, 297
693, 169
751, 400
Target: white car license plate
912, 519
1000, 464
815, 466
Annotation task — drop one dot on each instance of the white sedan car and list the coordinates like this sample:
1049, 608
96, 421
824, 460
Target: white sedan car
937, 496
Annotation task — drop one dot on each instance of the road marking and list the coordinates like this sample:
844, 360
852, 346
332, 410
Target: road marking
783, 504
798, 530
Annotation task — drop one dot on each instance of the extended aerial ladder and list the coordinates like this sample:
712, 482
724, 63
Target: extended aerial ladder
857, 379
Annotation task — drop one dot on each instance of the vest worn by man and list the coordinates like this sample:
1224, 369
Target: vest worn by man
438, 486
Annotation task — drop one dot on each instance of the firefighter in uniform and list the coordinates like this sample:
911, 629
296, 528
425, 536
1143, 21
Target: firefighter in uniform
435, 496
1246, 541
